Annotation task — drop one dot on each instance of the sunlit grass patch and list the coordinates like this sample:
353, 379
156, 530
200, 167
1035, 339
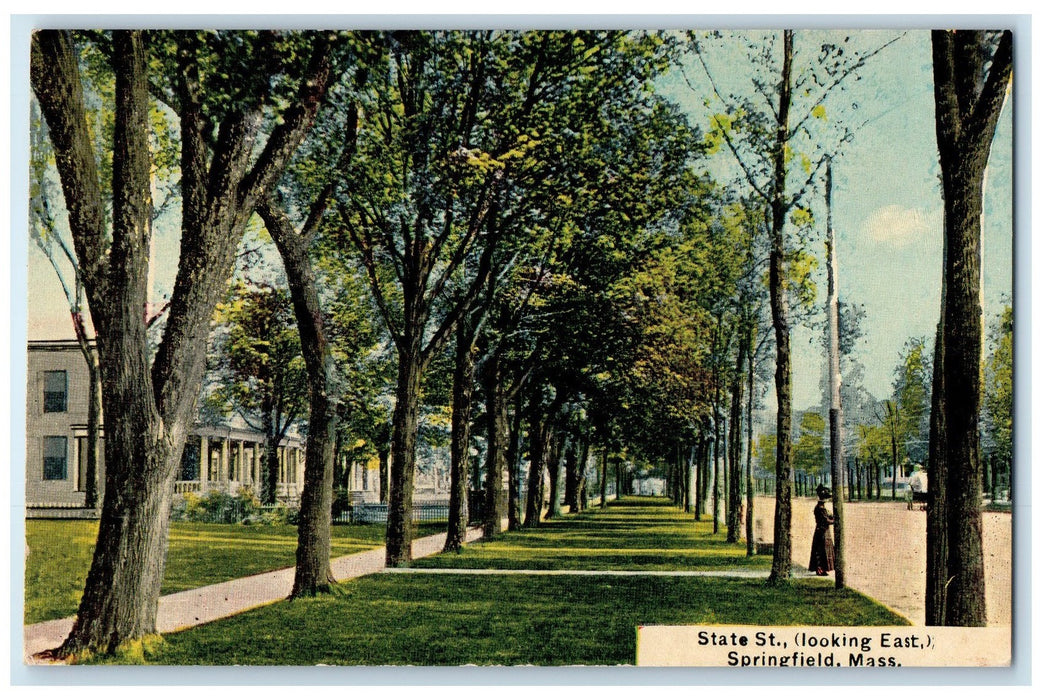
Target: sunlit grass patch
635, 533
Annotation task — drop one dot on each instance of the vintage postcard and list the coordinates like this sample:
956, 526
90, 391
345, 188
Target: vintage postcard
504, 347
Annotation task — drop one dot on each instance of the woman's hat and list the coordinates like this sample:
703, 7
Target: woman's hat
823, 491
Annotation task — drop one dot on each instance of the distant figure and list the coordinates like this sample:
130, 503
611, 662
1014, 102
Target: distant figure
822, 554
918, 481
917, 488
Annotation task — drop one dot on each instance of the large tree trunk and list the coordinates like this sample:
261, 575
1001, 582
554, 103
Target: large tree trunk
781, 565
142, 452
122, 592
462, 404
314, 532
536, 463
403, 456
936, 501
496, 467
968, 103
149, 409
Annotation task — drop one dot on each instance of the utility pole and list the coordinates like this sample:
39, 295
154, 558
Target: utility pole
835, 407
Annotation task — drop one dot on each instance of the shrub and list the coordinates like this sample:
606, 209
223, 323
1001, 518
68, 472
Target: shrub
187, 506
216, 507
277, 514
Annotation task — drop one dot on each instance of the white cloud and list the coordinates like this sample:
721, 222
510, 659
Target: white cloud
899, 226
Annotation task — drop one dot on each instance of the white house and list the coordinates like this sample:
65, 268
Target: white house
216, 457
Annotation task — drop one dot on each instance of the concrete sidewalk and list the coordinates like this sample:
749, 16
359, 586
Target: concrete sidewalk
198, 606
719, 573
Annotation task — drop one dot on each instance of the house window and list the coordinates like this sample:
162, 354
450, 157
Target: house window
55, 391
55, 458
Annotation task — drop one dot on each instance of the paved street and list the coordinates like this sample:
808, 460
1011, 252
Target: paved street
886, 553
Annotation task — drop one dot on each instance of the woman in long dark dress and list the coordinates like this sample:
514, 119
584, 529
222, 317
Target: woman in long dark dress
822, 554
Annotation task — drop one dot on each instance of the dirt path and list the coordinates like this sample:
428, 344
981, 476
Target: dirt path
886, 553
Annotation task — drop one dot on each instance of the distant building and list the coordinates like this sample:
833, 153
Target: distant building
221, 457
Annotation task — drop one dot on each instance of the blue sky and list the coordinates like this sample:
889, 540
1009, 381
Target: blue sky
887, 209
887, 203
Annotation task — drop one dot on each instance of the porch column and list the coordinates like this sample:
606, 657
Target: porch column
224, 476
204, 463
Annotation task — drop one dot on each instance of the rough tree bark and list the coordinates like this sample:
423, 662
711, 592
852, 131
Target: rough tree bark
781, 565
536, 458
496, 469
403, 453
150, 404
313, 573
462, 406
969, 100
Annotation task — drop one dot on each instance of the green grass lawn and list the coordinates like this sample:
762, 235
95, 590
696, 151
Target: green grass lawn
200, 554
455, 619
511, 619
635, 533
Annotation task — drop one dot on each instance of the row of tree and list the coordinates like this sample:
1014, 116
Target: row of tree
514, 224
509, 214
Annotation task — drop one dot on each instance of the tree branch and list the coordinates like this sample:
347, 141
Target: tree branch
54, 75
